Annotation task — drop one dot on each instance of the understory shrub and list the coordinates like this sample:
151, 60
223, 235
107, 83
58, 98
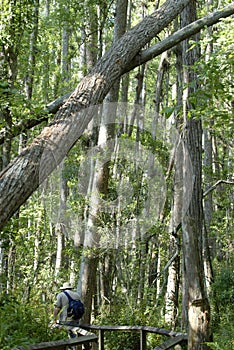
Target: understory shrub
24, 323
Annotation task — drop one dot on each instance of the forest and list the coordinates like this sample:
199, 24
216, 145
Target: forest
116, 168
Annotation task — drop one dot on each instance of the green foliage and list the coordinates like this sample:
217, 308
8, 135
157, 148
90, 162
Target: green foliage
217, 346
214, 100
29, 240
23, 323
223, 291
14, 22
140, 314
222, 306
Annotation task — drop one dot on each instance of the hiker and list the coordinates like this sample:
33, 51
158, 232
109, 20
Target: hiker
62, 313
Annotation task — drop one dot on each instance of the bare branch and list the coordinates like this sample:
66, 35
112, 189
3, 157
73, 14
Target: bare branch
219, 182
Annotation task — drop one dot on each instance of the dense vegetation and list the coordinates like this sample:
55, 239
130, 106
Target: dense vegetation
47, 47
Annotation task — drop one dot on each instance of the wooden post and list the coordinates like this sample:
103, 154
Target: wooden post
142, 339
100, 339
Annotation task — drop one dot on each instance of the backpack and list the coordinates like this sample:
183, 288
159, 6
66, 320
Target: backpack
75, 308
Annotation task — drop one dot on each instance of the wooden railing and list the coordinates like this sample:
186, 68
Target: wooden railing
60, 344
175, 337
87, 338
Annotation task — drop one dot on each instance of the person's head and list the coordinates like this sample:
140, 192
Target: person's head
66, 285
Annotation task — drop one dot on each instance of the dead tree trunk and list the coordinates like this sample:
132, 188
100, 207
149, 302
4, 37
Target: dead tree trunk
195, 297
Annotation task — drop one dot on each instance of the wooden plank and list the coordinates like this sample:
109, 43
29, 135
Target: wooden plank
170, 343
149, 329
59, 344
90, 337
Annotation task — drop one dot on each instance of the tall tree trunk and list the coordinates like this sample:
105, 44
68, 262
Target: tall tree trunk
100, 180
197, 304
32, 52
171, 302
61, 225
208, 162
172, 293
65, 60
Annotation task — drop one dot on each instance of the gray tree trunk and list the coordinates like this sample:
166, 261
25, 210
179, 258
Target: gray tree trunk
171, 299
208, 162
32, 52
100, 178
195, 296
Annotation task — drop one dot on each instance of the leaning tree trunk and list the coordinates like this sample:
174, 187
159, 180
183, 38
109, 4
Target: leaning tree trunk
196, 302
20, 179
142, 57
24, 174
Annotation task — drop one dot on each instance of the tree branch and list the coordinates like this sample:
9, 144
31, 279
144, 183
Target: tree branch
139, 59
179, 36
219, 182
42, 116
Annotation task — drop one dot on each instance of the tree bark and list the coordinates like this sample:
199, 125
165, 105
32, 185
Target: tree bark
172, 293
32, 52
195, 297
208, 169
99, 181
24, 174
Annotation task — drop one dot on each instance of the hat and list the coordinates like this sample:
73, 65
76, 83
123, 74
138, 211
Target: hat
66, 285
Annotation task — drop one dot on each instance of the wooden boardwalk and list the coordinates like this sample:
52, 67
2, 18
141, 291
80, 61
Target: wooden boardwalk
87, 338
175, 337
60, 344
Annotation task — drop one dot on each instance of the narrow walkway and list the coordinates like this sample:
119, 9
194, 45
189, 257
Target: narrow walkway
88, 338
